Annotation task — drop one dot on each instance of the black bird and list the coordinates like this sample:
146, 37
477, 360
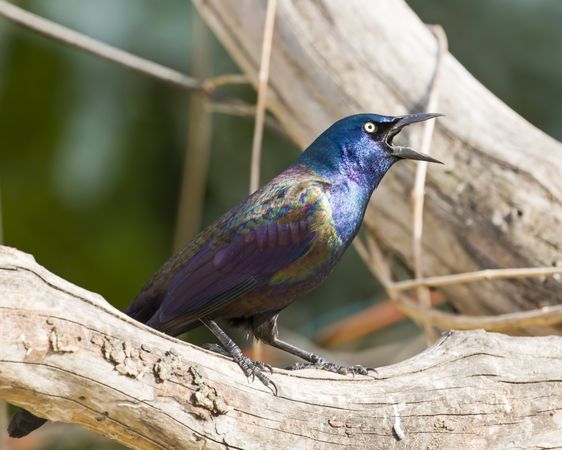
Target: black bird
275, 246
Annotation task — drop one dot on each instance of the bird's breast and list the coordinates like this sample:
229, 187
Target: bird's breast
348, 201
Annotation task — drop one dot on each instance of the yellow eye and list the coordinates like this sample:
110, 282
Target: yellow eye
370, 127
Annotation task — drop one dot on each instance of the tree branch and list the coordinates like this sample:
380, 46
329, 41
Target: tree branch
418, 191
480, 275
220, 102
67, 355
80, 41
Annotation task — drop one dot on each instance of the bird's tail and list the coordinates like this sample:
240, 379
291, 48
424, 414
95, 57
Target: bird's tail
142, 309
23, 423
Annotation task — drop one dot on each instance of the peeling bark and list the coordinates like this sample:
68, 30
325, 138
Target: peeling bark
67, 355
495, 204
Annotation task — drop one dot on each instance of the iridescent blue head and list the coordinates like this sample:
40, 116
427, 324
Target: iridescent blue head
360, 147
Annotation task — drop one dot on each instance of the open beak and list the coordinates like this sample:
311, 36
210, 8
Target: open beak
405, 152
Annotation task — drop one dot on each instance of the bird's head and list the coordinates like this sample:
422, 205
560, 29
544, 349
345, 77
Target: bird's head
362, 145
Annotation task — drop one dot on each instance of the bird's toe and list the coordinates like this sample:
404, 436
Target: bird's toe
322, 364
264, 366
360, 370
254, 369
298, 366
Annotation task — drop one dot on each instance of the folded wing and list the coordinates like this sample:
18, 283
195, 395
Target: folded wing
242, 259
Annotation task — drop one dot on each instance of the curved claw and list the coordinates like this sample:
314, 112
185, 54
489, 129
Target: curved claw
273, 387
264, 366
358, 370
266, 381
253, 369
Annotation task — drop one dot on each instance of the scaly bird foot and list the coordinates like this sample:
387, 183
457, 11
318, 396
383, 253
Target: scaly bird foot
216, 348
323, 364
252, 369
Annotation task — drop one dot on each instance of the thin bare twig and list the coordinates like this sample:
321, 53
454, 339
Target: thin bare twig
74, 39
418, 192
366, 321
228, 79
374, 259
263, 78
363, 253
480, 275
546, 316
80, 41
380, 263
245, 110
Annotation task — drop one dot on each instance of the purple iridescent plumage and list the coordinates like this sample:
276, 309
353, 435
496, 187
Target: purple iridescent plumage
279, 242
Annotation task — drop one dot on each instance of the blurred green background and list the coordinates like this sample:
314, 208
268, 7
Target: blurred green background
91, 154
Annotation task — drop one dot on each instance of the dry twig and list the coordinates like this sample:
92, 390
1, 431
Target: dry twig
245, 110
418, 192
263, 77
80, 41
366, 321
542, 317
373, 257
479, 275
228, 79
376, 262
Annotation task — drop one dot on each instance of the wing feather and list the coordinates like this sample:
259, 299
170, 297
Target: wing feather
256, 243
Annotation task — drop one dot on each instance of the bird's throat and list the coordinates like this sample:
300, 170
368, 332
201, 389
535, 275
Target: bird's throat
349, 201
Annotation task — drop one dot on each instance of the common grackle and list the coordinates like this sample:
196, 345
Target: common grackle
278, 244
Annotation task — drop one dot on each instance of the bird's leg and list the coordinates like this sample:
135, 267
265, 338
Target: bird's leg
317, 361
216, 348
249, 367
266, 330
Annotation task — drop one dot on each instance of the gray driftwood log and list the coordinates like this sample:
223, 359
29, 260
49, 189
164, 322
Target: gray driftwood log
496, 203
66, 354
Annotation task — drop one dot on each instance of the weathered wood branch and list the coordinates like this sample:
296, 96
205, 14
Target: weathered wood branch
66, 354
497, 201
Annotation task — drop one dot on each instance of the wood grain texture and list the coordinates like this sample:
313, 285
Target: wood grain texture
496, 203
66, 354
